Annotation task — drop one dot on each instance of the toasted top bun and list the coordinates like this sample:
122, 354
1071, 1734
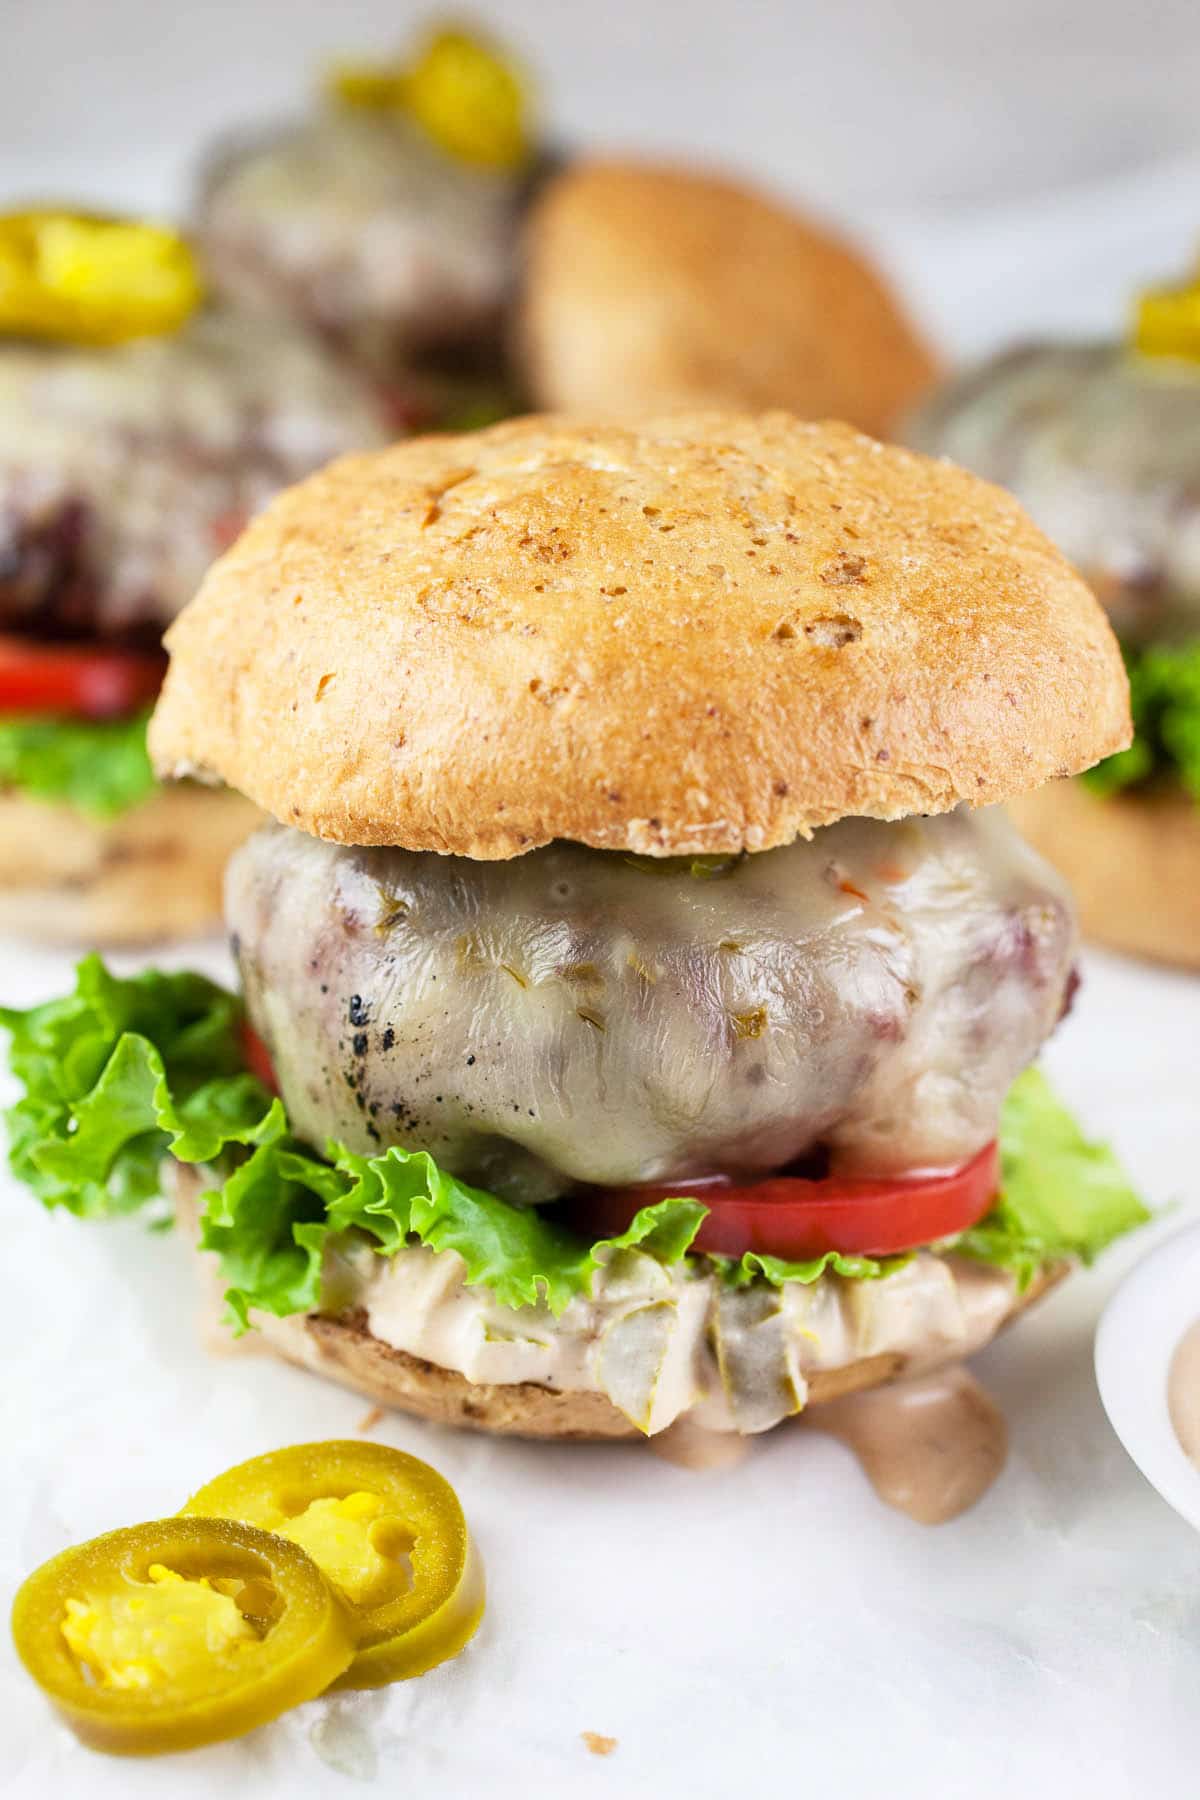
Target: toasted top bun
654, 288
700, 634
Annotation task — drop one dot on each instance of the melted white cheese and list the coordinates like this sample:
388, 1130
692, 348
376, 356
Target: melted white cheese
565, 1018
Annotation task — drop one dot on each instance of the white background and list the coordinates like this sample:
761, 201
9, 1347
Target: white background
1020, 166
862, 102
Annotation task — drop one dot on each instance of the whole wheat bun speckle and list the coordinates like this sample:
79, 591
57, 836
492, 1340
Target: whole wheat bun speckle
705, 633
1133, 861
152, 873
650, 287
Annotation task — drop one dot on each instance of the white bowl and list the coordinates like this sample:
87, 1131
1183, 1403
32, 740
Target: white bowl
1138, 1335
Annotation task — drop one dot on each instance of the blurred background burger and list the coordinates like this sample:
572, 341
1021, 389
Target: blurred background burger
140, 427
1101, 440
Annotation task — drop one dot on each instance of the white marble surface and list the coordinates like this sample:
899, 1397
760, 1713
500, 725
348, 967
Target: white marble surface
773, 1623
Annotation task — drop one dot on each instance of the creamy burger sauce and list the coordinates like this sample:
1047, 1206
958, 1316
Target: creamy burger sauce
686, 1445
1183, 1392
661, 1342
931, 1447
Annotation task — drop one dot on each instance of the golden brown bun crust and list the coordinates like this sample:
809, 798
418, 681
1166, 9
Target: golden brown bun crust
708, 633
1133, 861
345, 1351
154, 872
656, 288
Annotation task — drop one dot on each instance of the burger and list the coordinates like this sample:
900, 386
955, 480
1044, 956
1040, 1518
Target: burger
639, 981
136, 438
386, 220
649, 286
1102, 444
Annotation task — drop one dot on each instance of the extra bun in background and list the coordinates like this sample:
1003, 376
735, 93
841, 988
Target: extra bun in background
1132, 860
651, 288
705, 633
152, 872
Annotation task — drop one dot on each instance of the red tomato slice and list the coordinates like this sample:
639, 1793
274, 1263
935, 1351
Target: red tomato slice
797, 1219
83, 680
258, 1057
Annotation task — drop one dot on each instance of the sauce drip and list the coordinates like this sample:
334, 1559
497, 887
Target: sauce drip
692, 1446
931, 1447
1183, 1392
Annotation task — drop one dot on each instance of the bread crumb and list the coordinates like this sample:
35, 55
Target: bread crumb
370, 1420
598, 1744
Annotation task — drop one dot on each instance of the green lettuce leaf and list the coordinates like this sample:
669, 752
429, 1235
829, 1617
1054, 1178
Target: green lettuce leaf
270, 1221
100, 766
1060, 1194
754, 1266
1164, 691
119, 1073
122, 1073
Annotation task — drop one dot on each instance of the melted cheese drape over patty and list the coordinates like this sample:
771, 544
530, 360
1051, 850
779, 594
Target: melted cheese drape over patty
573, 1016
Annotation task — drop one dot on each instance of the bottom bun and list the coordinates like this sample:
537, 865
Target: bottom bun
153, 872
1133, 861
345, 1350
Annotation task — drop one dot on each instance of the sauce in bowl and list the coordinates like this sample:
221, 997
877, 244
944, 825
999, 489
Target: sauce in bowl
1183, 1392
